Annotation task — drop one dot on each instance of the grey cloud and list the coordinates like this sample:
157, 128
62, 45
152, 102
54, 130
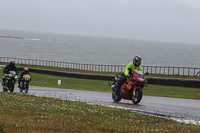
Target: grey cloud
165, 20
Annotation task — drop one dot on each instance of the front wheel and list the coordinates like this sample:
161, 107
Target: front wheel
12, 87
27, 86
116, 97
138, 96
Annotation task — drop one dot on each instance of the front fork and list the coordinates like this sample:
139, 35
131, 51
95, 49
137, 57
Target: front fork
134, 91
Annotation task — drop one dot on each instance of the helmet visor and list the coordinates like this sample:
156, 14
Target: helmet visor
138, 62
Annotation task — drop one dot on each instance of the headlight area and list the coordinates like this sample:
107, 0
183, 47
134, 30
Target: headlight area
141, 79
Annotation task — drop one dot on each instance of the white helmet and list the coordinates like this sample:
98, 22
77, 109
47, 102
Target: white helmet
137, 60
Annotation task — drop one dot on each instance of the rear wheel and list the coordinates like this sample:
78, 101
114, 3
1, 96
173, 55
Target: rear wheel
115, 97
137, 97
27, 86
20, 88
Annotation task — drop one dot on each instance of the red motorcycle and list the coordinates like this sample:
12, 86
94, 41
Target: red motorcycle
131, 89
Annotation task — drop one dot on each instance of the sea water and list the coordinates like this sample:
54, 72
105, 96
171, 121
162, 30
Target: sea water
96, 50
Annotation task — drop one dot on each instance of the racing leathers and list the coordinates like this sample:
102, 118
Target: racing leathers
6, 71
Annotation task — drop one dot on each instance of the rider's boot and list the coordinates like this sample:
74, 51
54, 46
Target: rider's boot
19, 85
112, 86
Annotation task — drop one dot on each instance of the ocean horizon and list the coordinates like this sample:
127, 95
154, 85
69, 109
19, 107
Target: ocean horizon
96, 50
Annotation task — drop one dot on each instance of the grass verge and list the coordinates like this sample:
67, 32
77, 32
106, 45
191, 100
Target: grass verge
23, 113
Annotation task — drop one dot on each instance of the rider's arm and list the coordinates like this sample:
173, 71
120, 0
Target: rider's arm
126, 71
5, 70
140, 68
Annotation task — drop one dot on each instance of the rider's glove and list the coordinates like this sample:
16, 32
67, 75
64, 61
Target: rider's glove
128, 75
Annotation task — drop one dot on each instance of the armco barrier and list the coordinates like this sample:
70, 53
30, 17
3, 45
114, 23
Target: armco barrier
69, 74
174, 82
166, 70
151, 80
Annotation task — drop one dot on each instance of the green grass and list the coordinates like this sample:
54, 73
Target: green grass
23, 113
171, 91
69, 83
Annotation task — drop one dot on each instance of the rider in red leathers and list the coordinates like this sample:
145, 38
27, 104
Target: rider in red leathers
25, 71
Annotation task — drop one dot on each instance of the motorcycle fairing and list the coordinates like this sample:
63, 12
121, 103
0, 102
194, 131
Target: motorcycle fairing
125, 89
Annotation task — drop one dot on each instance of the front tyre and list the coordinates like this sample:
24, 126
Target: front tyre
115, 97
138, 96
12, 87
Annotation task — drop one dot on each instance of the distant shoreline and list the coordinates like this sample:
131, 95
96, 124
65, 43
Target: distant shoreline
12, 37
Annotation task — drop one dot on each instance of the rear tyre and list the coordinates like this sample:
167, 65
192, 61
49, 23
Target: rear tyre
138, 96
26, 90
115, 97
20, 89
27, 86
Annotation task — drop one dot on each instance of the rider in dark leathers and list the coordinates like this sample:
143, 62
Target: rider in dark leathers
10, 67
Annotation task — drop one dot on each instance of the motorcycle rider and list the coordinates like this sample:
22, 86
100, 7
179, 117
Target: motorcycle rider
134, 65
10, 67
25, 71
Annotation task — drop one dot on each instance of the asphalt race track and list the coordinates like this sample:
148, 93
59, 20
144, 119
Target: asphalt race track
184, 110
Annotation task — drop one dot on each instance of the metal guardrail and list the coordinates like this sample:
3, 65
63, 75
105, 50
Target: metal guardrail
167, 70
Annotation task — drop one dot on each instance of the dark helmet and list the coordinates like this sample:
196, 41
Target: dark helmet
12, 63
137, 60
25, 69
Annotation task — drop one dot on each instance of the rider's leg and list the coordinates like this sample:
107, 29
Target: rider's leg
123, 79
112, 86
3, 80
19, 81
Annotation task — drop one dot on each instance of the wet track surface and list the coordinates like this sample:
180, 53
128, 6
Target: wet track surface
185, 109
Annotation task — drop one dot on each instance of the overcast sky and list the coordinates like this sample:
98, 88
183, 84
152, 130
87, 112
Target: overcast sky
165, 20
